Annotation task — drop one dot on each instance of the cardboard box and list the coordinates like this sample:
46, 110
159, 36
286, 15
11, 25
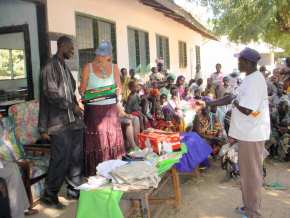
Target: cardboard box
159, 139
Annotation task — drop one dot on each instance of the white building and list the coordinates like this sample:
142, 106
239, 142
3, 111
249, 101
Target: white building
140, 30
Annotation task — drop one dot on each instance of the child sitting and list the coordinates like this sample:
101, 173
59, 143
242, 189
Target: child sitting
155, 99
133, 105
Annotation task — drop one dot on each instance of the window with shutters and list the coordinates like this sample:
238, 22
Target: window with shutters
182, 54
197, 55
162, 46
89, 33
139, 55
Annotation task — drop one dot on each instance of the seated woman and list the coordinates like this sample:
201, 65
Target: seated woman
172, 110
180, 84
278, 144
133, 105
207, 125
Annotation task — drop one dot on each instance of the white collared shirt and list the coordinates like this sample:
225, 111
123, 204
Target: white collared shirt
252, 94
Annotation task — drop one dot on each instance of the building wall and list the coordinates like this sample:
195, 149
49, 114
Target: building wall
16, 12
61, 19
213, 52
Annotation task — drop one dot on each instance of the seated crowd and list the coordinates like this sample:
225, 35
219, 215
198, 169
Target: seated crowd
160, 103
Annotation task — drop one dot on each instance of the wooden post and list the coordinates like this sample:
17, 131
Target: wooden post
176, 186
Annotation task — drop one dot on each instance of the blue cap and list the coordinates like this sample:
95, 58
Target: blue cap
104, 49
249, 54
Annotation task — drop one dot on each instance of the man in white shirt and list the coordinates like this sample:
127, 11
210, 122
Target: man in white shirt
250, 127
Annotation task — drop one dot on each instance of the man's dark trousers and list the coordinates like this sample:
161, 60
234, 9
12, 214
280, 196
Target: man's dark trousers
66, 159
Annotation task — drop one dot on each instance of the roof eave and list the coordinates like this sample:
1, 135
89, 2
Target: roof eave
173, 11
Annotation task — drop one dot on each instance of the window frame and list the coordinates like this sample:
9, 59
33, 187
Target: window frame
160, 48
95, 20
27, 50
182, 52
137, 45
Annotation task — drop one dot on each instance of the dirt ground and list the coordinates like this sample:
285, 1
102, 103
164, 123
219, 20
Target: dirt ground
210, 197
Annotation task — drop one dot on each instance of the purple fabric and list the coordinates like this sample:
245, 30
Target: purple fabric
198, 152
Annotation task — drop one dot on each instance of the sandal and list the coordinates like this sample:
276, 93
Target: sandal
30, 212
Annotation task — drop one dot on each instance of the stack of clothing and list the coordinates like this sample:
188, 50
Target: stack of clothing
135, 175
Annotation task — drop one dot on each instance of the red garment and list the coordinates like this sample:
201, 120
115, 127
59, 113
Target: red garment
103, 136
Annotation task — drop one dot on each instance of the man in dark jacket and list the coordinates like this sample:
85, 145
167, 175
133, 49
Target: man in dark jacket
60, 121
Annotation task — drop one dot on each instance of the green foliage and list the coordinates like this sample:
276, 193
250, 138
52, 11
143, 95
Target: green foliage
5, 72
12, 65
252, 20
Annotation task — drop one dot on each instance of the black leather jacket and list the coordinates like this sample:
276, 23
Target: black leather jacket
53, 104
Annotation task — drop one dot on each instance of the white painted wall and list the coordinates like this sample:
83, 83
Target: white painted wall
61, 19
213, 52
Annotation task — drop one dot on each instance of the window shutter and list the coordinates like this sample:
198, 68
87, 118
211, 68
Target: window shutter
160, 55
84, 32
185, 55
180, 54
137, 48
96, 34
114, 43
167, 56
197, 54
132, 48
147, 49
104, 31
142, 46
86, 37
157, 47
138, 44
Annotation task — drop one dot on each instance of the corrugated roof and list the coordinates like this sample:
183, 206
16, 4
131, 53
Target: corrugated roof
175, 12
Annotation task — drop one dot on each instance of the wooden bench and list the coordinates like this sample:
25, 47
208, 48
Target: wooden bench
142, 199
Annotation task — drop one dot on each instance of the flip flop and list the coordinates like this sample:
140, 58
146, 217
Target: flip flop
30, 212
240, 210
276, 186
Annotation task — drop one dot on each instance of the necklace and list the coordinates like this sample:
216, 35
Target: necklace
104, 73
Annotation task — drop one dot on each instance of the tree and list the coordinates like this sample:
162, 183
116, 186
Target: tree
252, 20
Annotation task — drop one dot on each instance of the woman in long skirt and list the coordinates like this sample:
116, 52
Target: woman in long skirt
103, 134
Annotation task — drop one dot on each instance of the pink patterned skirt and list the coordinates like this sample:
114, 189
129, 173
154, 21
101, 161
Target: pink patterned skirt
103, 136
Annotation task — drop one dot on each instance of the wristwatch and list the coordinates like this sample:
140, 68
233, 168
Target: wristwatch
235, 102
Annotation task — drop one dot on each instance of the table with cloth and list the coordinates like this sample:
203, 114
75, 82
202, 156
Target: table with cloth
104, 203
